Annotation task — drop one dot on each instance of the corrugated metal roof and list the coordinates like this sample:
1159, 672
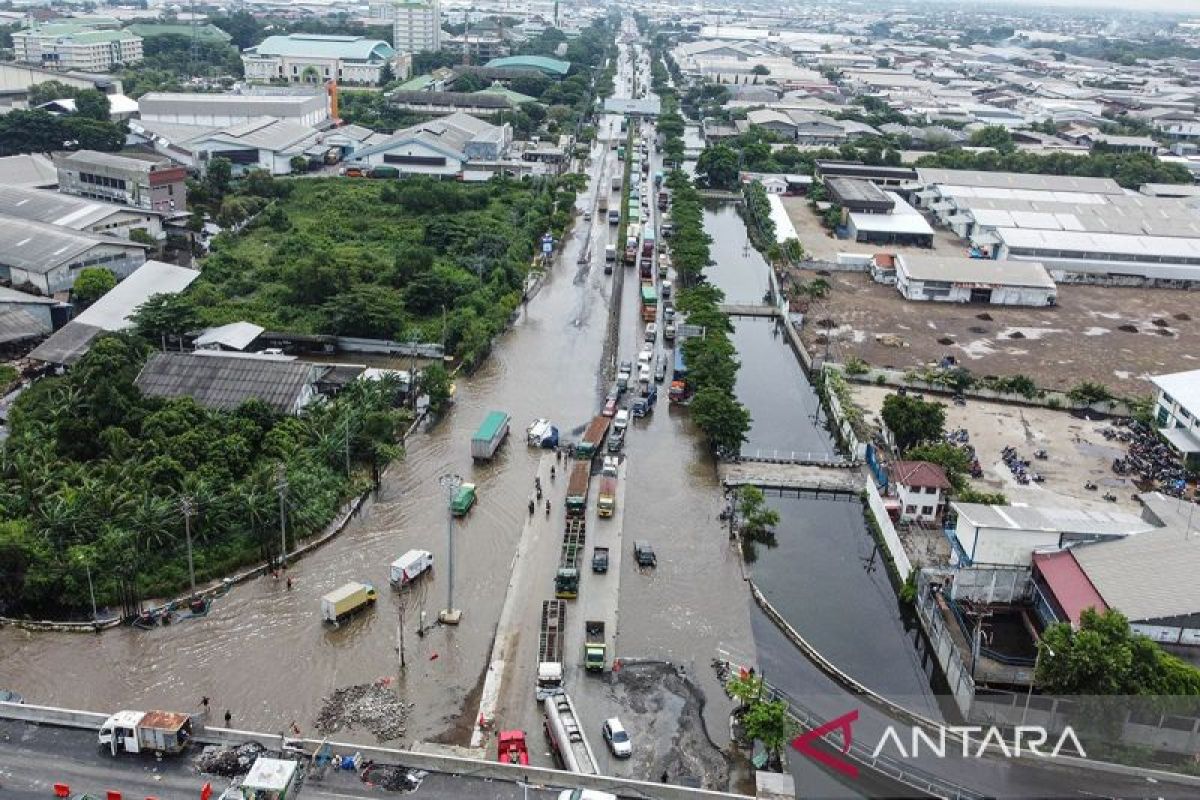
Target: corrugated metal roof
1052, 519
17, 325
235, 335
1018, 180
1069, 583
55, 208
38, 247
66, 345
267, 133
8, 296
354, 48
974, 270
30, 169
112, 311
550, 66
224, 383
1183, 387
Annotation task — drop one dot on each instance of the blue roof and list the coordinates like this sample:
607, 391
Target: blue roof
550, 66
355, 48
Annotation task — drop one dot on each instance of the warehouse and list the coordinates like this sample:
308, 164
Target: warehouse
1126, 259
859, 196
441, 146
77, 213
222, 110
953, 279
904, 225
48, 258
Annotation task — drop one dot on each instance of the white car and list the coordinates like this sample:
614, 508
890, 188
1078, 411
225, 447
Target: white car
618, 740
651, 332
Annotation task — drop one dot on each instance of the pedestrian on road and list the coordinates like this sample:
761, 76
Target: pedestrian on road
228, 718
289, 583
551, 472
664, 777
204, 702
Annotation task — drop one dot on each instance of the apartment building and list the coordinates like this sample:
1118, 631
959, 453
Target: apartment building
417, 26
313, 58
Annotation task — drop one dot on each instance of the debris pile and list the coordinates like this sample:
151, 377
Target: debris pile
394, 778
372, 706
229, 762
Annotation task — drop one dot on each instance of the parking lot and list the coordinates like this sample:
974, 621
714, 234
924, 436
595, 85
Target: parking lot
822, 245
1111, 336
1076, 451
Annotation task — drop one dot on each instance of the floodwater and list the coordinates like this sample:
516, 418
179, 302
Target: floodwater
737, 269
263, 652
786, 413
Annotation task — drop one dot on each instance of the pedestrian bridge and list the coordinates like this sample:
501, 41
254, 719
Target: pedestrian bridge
835, 477
748, 310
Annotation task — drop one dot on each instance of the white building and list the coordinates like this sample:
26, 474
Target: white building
69, 46
417, 26
1009, 535
444, 146
220, 110
1177, 412
313, 58
921, 488
262, 143
956, 279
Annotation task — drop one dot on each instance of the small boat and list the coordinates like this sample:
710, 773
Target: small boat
541, 433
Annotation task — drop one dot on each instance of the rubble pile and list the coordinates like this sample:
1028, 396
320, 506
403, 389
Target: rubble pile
372, 706
394, 778
229, 762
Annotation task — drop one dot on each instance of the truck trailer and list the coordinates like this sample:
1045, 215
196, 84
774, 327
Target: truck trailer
158, 732
606, 503
563, 730
593, 439
491, 433
346, 600
550, 648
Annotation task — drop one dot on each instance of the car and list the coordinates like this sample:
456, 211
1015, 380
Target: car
617, 737
660, 371
610, 405
581, 794
651, 332
644, 555
626, 367
7, 696
587, 216
616, 440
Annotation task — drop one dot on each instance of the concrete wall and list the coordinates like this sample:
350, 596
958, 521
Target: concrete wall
890, 538
988, 546
995, 585
958, 676
449, 765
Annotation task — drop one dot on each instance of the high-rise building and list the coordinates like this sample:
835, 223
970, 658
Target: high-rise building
417, 26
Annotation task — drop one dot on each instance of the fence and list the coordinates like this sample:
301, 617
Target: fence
958, 675
888, 531
1007, 585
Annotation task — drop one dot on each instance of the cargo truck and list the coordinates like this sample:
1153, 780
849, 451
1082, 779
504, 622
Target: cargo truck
593, 439
603, 203
511, 748
649, 302
663, 201
593, 645
566, 580
606, 503
566, 736
577, 489
410, 566
489, 436
550, 648
158, 732
347, 600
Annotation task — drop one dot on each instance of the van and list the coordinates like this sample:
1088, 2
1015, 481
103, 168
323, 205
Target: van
621, 420
410, 566
666, 288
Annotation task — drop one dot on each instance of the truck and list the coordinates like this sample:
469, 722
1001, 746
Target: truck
600, 559
606, 503
158, 732
648, 239
616, 183
610, 253
663, 201
550, 648
593, 439
566, 580
649, 302
594, 646
346, 600
410, 566
512, 749
570, 746
491, 433
631, 254
603, 203
577, 488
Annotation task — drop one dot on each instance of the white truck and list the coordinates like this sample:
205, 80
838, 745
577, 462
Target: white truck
550, 648
158, 732
410, 566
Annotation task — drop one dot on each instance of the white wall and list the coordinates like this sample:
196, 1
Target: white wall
1001, 545
453, 166
920, 499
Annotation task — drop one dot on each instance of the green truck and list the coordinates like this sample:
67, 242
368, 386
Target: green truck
566, 579
577, 488
463, 499
593, 439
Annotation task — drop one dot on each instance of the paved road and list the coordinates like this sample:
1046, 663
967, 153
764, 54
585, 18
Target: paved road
34, 758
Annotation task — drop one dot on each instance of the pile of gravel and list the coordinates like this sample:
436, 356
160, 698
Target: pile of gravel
366, 705
394, 778
229, 762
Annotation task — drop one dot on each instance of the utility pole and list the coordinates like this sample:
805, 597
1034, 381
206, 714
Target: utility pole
91, 590
451, 615
188, 508
400, 628
347, 445
282, 486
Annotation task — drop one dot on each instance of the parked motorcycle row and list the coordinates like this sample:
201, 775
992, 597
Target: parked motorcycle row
1019, 467
1148, 459
962, 440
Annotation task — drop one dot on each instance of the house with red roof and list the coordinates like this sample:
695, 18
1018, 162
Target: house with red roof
921, 488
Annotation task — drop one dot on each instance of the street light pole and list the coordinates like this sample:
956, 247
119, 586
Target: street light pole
1037, 659
91, 590
450, 615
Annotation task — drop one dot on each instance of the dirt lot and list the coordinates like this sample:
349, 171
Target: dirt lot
824, 246
1076, 450
1111, 336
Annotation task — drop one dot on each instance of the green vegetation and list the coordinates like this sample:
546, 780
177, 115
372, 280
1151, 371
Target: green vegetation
372, 110
170, 61
986, 498
711, 358
94, 475
435, 383
1088, 393
995, 136
757, 209
913, 421
412, 259
92, 284
1105, 657
757, 520
8, 376
768, 721
90, 103
1128, 169
41, 132
950, 458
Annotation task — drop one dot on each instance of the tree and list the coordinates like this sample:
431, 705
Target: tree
912, 420
949, 457
93, 105
165, 316
994, 136
758, 521
218, 176
435, 382
386, 75
760, 69
298, 164
717, 167
1087, 393
723, 419
769, 722
92, 284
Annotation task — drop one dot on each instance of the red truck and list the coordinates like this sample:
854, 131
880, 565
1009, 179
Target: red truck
512, 749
